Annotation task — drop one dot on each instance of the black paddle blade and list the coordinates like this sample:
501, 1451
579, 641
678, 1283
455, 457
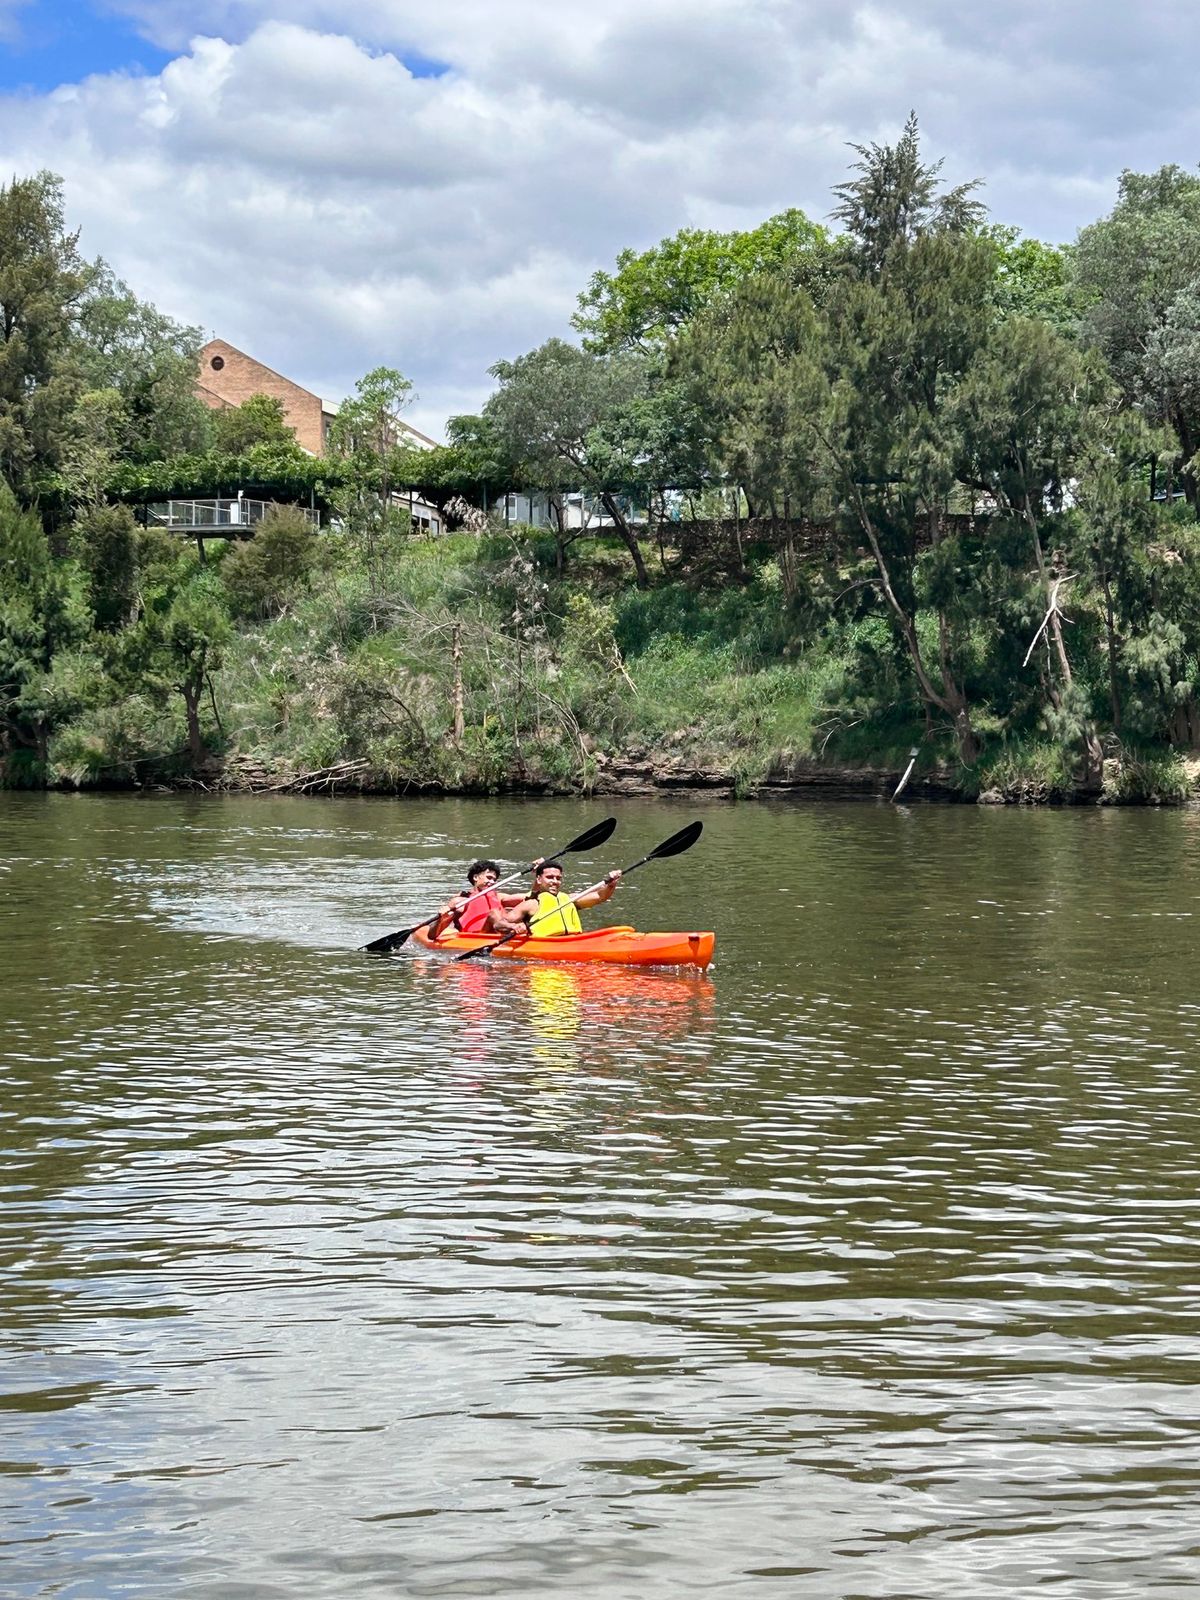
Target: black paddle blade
678, 842
390, 941
589, 840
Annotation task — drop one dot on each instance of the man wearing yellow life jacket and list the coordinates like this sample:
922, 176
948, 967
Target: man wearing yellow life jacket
549, 912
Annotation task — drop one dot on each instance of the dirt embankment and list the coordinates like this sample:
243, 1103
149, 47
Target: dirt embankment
639, 771
635, 772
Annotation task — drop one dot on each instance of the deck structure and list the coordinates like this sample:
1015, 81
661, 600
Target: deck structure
232, 518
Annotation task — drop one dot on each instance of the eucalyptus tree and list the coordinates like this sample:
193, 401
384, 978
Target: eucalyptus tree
43, 282
42, 611
125, 345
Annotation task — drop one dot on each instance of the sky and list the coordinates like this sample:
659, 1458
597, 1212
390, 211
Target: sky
430, 186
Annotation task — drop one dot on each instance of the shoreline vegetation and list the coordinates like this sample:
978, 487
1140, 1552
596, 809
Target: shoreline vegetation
823, 510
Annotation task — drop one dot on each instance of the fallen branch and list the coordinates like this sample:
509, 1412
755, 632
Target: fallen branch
329, 775
1053, 610
912, 761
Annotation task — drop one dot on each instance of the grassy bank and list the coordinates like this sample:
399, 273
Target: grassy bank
467, 663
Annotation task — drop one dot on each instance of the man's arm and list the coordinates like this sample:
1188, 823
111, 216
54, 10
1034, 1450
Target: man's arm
597, 897
514, 918
446, 916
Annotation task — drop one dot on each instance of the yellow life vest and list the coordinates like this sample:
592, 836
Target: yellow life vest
564, 920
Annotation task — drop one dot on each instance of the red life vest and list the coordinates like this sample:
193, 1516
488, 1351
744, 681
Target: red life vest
474, 918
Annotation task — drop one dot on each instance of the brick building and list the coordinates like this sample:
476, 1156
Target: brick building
228, 376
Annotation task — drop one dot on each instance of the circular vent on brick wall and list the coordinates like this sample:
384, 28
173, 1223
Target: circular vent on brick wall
217, 363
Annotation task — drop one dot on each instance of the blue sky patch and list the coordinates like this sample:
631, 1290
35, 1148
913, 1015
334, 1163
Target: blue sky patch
61, 41
422, 66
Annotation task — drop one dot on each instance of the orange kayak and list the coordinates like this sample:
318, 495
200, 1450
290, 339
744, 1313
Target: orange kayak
622, 946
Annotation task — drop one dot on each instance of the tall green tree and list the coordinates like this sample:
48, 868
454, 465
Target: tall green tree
1144, 566
42, 611
899, 343
178, 640
571, 417
43, 282
744, 361
1024, 409
1140, 266
106, 537
366, 439
126, 345
745, 365
894, 198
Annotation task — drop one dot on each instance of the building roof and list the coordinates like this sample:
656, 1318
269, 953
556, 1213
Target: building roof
329, 408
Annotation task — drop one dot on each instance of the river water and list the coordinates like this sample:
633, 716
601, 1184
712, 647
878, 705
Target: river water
868, 1265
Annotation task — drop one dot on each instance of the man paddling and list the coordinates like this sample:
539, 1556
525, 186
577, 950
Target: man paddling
548, 911
479, 909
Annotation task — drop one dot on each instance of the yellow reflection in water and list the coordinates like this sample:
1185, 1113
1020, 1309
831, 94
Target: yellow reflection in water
555, 1014
563, 1018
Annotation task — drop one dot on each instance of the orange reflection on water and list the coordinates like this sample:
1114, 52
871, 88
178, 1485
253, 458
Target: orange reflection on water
573, 1012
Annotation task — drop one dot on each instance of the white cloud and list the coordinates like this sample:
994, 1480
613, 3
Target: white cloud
308, 196
10, 20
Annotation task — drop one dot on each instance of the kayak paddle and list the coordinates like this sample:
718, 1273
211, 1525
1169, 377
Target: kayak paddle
586, 841
674, 846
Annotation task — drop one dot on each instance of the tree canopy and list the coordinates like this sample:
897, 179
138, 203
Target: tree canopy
655, 293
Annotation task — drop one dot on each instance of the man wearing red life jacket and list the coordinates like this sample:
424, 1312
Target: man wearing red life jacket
475, 909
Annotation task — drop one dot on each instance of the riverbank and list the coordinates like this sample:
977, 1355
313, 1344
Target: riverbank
639, 774
469, 665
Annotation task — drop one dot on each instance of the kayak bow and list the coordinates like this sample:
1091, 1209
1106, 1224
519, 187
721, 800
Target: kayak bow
619, 946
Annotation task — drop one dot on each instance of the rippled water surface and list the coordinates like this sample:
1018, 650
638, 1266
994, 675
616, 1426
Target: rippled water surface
867, 1266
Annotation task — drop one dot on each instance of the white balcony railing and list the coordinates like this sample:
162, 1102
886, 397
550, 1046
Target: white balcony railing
215, 519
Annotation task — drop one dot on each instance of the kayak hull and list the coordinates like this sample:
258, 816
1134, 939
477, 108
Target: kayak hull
618, 946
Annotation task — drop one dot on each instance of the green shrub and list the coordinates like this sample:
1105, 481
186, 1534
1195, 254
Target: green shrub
1028, 773
1146, 778
264, 574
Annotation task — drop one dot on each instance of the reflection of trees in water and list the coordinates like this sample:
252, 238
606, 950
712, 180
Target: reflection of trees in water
468, 993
